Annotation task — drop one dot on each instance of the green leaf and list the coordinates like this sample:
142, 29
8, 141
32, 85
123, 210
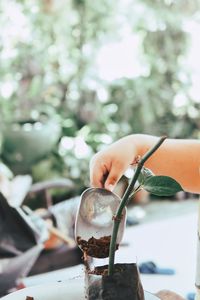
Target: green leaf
144, 174
162, 186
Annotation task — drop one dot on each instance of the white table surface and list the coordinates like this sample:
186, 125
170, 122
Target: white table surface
170, 243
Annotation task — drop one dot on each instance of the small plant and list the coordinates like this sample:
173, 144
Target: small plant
156, 185
122, 281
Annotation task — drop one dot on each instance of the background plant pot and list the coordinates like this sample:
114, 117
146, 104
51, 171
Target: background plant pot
123, 284
26, 142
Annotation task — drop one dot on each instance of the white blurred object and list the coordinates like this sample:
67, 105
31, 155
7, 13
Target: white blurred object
137, 213
15, 190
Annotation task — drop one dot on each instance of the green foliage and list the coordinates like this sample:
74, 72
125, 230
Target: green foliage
144, 175
161, 186
157, 185
49, 51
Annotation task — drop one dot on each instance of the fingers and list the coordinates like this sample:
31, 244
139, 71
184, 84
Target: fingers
98, 172
113, 177
107, 166
105, 171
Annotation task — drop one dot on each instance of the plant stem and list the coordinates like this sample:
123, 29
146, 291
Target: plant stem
124, 202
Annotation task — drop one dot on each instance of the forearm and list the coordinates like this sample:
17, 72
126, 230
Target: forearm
179, 159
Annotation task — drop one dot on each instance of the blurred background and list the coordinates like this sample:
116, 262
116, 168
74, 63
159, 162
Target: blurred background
76, 75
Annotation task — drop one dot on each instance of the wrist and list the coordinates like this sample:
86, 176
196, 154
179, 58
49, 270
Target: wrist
141, 144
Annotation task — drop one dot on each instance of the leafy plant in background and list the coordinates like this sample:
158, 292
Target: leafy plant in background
151, 97
48, 64
46, 73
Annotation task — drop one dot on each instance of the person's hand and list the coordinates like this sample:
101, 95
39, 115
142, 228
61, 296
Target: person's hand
168, 295
107, 166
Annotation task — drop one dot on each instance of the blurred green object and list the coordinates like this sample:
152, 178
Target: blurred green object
27, 142
1, 142
56, 57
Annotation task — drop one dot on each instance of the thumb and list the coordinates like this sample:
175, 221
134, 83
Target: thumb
113, 177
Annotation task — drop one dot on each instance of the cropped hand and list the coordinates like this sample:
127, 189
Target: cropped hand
107, 166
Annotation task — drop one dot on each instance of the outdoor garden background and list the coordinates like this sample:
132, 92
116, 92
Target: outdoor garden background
77, 75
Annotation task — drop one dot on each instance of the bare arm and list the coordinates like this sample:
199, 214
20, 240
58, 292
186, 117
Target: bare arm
179, 159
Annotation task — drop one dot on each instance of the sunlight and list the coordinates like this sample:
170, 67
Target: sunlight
120, 59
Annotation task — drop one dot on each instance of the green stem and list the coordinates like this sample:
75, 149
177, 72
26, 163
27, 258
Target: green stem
124, 202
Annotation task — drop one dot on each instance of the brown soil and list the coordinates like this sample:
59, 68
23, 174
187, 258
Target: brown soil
98, 248
102, 271
29, 298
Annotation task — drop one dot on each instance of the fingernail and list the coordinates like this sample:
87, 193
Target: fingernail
111, 187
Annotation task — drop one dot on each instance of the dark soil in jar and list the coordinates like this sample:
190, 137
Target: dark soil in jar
123, 284
98, 248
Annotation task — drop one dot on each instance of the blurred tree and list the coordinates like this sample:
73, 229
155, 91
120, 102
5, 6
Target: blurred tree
149, 105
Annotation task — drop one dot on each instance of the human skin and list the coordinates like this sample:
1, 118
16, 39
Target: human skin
178, 158
168, 295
